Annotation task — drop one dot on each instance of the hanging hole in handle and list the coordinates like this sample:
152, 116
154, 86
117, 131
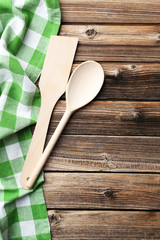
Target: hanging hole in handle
27, 178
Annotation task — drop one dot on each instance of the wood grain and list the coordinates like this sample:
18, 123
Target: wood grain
112, 53
93, 34
111, 118
114, 11
130, 81
102, 191
107, 137
102, 153
102, 225
115, 43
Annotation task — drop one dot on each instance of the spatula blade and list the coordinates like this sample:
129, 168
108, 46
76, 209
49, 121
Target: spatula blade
58, 62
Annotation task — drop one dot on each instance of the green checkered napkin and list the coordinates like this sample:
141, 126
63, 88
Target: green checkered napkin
25, 29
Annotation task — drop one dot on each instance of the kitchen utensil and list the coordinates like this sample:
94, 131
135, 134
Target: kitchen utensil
84, 84
53, 81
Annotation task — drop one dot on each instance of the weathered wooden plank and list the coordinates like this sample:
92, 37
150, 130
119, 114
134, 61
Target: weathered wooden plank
111, 118
140, 81
102, 225
101, 153
115, 43
114, 53
145, 35
99, 11
105, 190
130, 81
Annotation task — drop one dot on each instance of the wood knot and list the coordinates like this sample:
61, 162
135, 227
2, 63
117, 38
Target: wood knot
108, 193
91, 33
108, 160
114, 77
158, 38
138, 117
55, 218
133, 66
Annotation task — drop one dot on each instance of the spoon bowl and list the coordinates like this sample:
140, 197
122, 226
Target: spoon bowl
85, 83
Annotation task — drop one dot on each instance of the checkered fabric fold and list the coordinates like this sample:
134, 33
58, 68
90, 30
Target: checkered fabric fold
25, 30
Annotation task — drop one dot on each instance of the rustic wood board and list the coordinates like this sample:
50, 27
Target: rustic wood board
100, 153
118, 53
115, 43
124, 81
114, 11
102, 191
102, 181
75, 225
94, 34
117, 118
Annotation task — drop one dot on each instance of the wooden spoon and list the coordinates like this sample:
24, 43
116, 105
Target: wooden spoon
85, 83
53, 82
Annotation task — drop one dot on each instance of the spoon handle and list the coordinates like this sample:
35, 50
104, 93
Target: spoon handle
48, 149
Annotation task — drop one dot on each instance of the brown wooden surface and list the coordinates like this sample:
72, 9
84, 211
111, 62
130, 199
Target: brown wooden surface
124, 81
119, 53
75, 225
115, 43
102, 180
121, 118
94, 34
106, 154
114, 11
104, 190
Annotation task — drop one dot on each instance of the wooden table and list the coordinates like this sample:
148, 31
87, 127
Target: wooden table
102, 181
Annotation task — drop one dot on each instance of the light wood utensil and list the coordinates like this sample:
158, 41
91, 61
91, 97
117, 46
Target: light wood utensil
84, 84
53, 81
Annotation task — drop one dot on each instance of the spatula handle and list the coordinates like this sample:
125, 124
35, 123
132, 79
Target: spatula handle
38, 140
48, 149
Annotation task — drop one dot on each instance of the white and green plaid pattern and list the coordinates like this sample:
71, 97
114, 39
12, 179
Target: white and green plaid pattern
25, 29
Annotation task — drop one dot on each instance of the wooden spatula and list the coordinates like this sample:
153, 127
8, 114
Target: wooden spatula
53, 81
